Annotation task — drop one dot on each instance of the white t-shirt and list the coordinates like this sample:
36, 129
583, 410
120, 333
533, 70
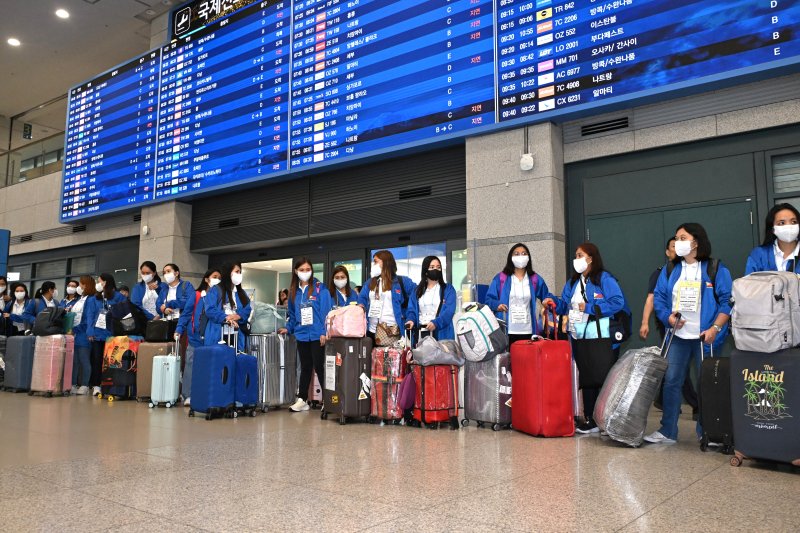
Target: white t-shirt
77, 308
429, 304
387, 309
49, 303
519, 307
17, 309
149, 301
577, 299
691, 329
172, 294
780, 262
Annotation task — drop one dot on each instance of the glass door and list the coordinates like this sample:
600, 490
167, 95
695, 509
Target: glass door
353, 261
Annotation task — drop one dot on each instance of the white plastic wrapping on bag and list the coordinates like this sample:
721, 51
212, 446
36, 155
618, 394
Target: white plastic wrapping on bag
487, 390
429, 351
627, 394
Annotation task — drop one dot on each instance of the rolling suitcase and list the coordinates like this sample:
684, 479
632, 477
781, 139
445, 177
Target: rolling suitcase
48, 372
69, 362
389, 368
245, 391
277, 369
165, 374
715, 403
19, 363
487, 392
436, 399
315, 395
118, 380
347, 378
213, 381
764, 402
542, 398
144, 363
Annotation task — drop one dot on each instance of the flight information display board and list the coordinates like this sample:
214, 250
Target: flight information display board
247, 90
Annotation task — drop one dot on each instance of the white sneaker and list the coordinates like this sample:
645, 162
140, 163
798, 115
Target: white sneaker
187, 402
82, 391
74, 390
96, 391
657, 438
299, 405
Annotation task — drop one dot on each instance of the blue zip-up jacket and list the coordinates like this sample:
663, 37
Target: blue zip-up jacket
184, 302
539, 291
320, 299
762, 259
341, 301
215, 311
608, 297
137, 295
64, 304
401, 316
79, 328
23, 318
193, 327
710, 305
92, 310
444, 320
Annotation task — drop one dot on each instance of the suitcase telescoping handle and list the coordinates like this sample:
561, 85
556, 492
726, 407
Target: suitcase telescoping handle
177, 347
550, 310
668, 336
235, 336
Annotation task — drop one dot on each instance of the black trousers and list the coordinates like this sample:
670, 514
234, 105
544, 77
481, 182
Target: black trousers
96, 362
512, 338
590, 397
312, 358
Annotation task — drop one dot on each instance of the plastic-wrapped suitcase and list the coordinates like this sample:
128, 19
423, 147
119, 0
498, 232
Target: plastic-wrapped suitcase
144, 364
165, 374
542, 401
764, 402
487, 392
119, 368
389, 368
277, 369
19, 363
213, 381
629, 391
347, 378
715, 403
436, 398
48, 371
245, 392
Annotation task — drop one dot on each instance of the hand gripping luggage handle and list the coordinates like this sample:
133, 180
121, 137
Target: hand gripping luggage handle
668, 336
551, 309
177, 348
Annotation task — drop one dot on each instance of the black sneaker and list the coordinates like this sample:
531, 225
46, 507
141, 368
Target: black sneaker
588, 427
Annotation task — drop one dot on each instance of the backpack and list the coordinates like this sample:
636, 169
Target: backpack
126, 319
479, 334
766, 314
48, 322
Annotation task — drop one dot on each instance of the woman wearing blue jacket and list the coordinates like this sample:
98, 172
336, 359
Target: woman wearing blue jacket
16, 310
780, 247
82, 367
341, 292
145, 293
387, 296
176, 297
434, 301
513, 293
98, 325
592, 294
227, 308
309, 304
704, 306
45, 297
72, 295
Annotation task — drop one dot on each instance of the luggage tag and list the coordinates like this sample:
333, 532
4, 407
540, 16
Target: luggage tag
366, 386
688, 296
307, 315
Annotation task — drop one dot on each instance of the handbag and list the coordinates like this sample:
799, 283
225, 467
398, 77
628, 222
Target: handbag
160, 330
593, 357
386, 335
429, 351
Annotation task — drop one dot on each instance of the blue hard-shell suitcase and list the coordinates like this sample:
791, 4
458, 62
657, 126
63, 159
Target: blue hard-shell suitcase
213, 381
246, 388
19, 363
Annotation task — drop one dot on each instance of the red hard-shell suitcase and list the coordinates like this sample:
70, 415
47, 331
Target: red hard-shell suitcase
389, 368
436, 399
541, 398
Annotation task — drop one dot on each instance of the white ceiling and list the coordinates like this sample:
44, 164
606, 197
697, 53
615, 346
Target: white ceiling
277, 265
57, 54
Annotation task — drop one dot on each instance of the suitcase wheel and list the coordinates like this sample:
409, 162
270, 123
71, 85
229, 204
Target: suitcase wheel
235, 414
265, 409
252, 412
100, 396
30, 393
169, 404
480, 424
48, 394
191, 412
208, 416
736, 461
495, 427
342, 420
111, 398
151, 405
396, 422
464, 422
323, 415
138, 399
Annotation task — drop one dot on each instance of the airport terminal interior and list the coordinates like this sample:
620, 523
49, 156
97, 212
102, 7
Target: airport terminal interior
258, 133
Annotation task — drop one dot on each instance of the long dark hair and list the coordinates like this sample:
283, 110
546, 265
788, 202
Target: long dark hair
227, 285
423, 284
46, 286
295, 280
110, 288
769, 233
388, 273
332, 287
699, 234
153, 269
508, 270
284, 292
596, 268
204, 286
5, 280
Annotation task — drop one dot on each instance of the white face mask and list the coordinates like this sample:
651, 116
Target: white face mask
580, 264
2, 288
236, 278
79, 290
71, 290
99, 287
213, 282
55, 294
520, 261
340, 283
304, 276
375, 270
787, 233
169, 277
19, 295
147, 278
683, 248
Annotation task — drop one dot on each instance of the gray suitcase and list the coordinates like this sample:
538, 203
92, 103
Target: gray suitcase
487, 392
19, 363
277, 372
346, 384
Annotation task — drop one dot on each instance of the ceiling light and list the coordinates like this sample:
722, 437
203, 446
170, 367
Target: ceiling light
62, 13
14, 41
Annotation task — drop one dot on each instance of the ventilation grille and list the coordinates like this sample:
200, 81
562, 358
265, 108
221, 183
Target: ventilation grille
419, 192
605, 126
79, 229
137, 217
26, 238
228, 223
66, 230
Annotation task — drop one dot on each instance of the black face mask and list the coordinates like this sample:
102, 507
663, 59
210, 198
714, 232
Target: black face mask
434, 274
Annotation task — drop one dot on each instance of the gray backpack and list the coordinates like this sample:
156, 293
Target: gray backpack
766, 312
266, 318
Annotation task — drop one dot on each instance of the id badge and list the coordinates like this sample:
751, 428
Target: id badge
307, 316
101, 321
576, 316
375, 308
688, 296
519, 314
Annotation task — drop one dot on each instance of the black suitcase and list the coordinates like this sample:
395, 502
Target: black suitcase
715, 405
19, 363
345, 387
765, 400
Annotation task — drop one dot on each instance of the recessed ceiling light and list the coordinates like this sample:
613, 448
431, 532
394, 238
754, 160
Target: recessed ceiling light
62, 13
14, 41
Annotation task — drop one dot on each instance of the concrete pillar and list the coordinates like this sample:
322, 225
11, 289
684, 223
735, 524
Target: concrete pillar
506, 205
164, 237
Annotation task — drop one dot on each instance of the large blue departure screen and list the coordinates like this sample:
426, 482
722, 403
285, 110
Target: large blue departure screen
248, 90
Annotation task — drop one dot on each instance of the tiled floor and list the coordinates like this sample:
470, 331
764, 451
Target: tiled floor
80, 464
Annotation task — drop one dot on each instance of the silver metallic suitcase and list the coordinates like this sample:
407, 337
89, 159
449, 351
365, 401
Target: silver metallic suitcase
277, 369
487, 392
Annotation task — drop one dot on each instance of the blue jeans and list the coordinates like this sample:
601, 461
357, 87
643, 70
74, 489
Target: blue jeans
681, 353
81, 366
186, 390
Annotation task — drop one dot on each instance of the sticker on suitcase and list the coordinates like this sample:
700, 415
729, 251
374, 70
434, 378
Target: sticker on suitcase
330, 371
765, 392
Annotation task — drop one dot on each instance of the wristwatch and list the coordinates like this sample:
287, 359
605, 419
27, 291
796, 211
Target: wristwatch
716, 327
